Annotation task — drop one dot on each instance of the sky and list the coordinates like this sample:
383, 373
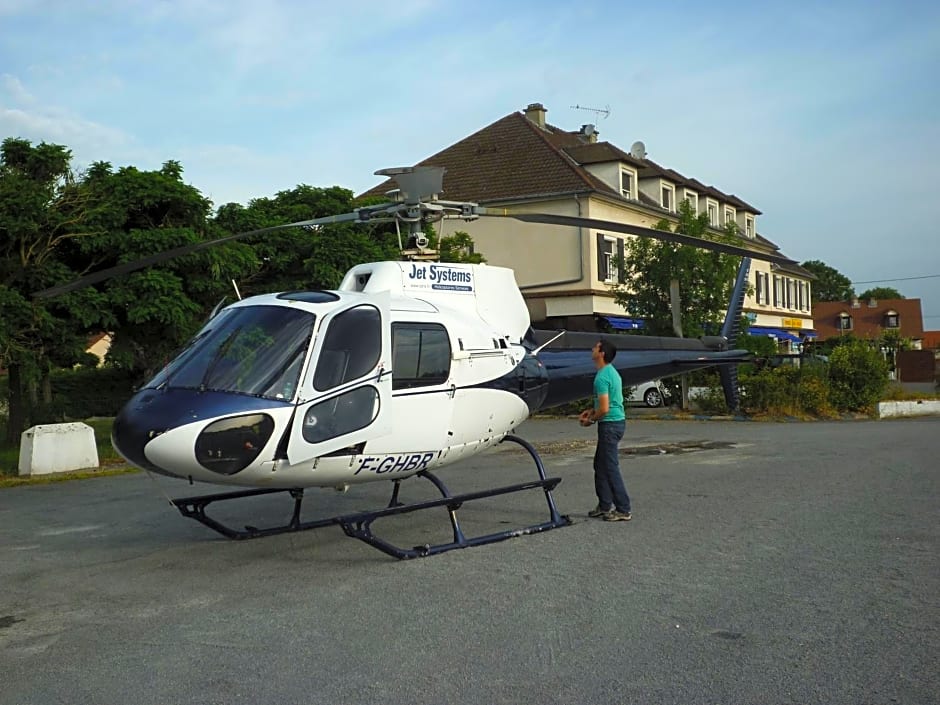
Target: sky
825, 116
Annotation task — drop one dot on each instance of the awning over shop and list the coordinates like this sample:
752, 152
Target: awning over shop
624, 323
778, 333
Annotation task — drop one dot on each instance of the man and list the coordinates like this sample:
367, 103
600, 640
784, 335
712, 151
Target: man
613, 502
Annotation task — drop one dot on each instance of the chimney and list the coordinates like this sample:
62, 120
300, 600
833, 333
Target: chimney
855, 302
589, 132
535, 112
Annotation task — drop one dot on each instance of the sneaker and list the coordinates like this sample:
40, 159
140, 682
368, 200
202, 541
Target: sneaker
617, 515
598, 512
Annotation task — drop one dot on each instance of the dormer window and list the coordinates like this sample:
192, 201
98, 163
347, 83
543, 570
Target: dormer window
729, 216
844, 322
627, 179
712, 209
668, 199
892, 320
749, 227
692, 198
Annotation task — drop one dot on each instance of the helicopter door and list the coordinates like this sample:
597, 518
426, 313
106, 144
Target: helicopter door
345, 395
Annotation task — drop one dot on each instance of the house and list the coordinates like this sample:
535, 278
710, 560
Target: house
870, 319
524, 163
98, 345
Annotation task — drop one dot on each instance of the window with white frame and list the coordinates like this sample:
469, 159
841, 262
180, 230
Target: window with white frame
712, 209
729, 216
692, 198
892, 320
627, 180
749, 226
759, 286
668, 199
844, 321
609, 268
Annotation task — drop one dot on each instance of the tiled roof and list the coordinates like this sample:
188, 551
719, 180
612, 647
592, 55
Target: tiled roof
511, 158
601, 152
514, 158
867, 320
931, 340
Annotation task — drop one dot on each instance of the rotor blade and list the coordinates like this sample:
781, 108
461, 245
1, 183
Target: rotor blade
129, 267
610, 226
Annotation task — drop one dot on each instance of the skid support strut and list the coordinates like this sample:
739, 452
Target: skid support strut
359, 525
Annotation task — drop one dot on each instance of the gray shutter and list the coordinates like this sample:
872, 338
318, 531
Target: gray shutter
622, 274
601, 261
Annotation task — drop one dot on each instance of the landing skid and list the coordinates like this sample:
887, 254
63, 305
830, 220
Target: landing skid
359, 525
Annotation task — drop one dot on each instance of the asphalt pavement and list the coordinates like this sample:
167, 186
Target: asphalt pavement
766, 563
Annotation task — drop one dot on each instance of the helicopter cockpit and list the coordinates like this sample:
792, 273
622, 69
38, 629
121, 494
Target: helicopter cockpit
256, 350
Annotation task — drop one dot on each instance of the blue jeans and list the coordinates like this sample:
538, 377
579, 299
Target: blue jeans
608, 482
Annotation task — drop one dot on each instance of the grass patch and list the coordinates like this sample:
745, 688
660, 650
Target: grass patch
8, 481
895, 392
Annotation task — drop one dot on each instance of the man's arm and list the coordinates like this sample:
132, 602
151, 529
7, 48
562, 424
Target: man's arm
603, 406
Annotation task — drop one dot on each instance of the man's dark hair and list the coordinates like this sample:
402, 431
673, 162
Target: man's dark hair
609, 350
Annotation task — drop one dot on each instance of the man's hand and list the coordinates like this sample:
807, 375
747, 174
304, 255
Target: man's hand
587, 417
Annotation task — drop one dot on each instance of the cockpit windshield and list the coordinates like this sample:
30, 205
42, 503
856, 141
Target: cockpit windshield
257, 350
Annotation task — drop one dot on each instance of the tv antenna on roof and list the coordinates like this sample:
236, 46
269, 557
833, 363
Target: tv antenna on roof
604, 112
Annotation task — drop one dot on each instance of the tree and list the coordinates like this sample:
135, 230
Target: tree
304, 259
858, 374
880, 293
41, 210
136, 214
705, 278
457, 248
830, 284
56, 226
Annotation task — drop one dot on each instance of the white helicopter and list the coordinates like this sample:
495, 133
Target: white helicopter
293, 390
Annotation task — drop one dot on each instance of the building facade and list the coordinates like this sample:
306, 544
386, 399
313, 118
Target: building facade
870, 320
524, 164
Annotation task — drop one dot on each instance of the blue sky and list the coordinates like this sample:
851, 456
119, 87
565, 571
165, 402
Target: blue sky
825, 116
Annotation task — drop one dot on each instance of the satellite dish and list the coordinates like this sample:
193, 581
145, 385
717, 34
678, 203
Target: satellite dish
638, 150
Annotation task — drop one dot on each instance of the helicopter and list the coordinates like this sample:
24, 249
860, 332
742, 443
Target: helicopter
407, 367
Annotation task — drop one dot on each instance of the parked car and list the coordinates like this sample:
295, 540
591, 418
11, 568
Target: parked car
652, 394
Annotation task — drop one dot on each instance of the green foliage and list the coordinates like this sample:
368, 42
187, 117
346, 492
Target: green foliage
880, 293
705, 278
92, 391
830, 284
761, 345
300, 259
858, 375
711, 399
457, 248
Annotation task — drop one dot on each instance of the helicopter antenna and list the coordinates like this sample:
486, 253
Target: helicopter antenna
603, 112
237, 292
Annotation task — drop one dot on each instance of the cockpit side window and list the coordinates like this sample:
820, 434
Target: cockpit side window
421, 355
351, 348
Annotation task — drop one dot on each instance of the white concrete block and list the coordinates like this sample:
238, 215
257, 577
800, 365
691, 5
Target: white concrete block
60, 447
916, 407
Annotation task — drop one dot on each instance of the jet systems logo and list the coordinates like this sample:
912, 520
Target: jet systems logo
440, 277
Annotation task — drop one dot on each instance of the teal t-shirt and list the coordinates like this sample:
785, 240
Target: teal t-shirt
607, 381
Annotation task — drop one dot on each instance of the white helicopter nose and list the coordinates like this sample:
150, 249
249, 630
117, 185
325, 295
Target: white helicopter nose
224, 447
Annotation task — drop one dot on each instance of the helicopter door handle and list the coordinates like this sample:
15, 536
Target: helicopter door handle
453, 391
